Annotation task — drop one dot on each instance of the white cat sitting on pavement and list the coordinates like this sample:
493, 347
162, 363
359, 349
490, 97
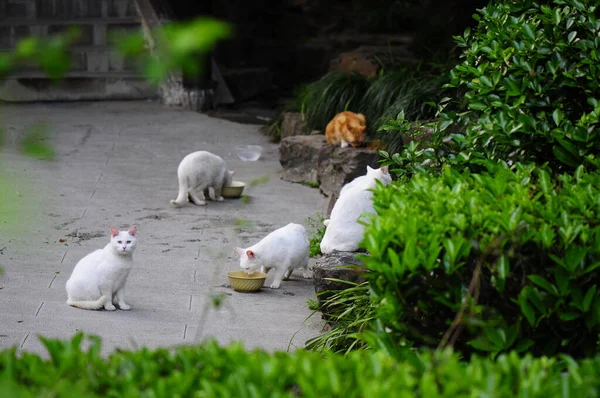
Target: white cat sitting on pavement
98, 279
344, 232
197, 173
284, 250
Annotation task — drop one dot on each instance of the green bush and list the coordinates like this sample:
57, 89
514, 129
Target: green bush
505, 259
212, 371
532, 84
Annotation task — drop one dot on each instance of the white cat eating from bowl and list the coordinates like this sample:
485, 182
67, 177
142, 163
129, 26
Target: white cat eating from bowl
200, 171
284, 249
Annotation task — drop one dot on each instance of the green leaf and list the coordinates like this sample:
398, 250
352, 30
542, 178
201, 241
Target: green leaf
503, 267
572, 36
478, 106
486, 81
523, 345
526, 309
575, 255
483, 344
544, 284
557, 116
589, 298
565, 156
529, 31
568, 316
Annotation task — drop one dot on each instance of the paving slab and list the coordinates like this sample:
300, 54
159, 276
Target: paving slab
116, 164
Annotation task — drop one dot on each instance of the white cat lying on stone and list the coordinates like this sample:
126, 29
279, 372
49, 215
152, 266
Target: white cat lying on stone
284, 250
197, 173
344, 232
98, 279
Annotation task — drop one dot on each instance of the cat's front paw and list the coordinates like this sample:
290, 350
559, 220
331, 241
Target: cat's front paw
306, 275
124, 307
109, 307
220, 199
275, 285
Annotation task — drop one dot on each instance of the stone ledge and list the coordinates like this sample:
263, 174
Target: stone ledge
311, 159
332, 266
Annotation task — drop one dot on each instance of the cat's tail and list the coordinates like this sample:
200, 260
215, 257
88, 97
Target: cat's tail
183, 193
87, 305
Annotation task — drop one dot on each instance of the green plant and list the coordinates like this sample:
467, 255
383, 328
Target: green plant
313, 305
532, 84
350, 313
209, 370
310, 184
333, 93
489, 262
317, 230
407, 90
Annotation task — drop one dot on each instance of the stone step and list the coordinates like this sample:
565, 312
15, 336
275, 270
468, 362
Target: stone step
100, 87
69, 22
40, 75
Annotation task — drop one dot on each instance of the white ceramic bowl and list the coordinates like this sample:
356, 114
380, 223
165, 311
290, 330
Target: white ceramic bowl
234, 190
248, 153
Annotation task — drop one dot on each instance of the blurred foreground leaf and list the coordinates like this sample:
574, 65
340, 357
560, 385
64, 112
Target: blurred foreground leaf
35, 143
172, 47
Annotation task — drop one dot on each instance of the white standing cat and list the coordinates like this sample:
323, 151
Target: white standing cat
344, 232
284, 250
197, 173
98, 279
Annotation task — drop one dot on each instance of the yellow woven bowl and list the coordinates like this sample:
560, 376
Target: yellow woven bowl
234, 190
240, 281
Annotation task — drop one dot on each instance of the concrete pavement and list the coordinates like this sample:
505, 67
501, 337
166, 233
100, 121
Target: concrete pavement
116, 164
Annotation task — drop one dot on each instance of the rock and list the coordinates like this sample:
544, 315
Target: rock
308, 158
350, 62
328, 266
292, 124
344, 165
301, 155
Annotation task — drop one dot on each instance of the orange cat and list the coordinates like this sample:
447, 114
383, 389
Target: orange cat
346, 128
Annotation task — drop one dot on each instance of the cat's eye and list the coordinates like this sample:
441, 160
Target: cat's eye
128, 241
119, 241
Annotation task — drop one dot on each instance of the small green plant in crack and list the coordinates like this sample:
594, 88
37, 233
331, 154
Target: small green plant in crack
241, 225
310, 184
313, 304
317, 230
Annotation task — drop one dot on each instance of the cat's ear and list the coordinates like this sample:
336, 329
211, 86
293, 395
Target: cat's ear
240, 252
133, 231
113, 232
250, 254
369, 169
361, 117
342, 118
384, 169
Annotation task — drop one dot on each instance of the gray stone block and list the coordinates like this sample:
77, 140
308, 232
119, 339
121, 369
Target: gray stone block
344, 165
337, 265
301, 156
